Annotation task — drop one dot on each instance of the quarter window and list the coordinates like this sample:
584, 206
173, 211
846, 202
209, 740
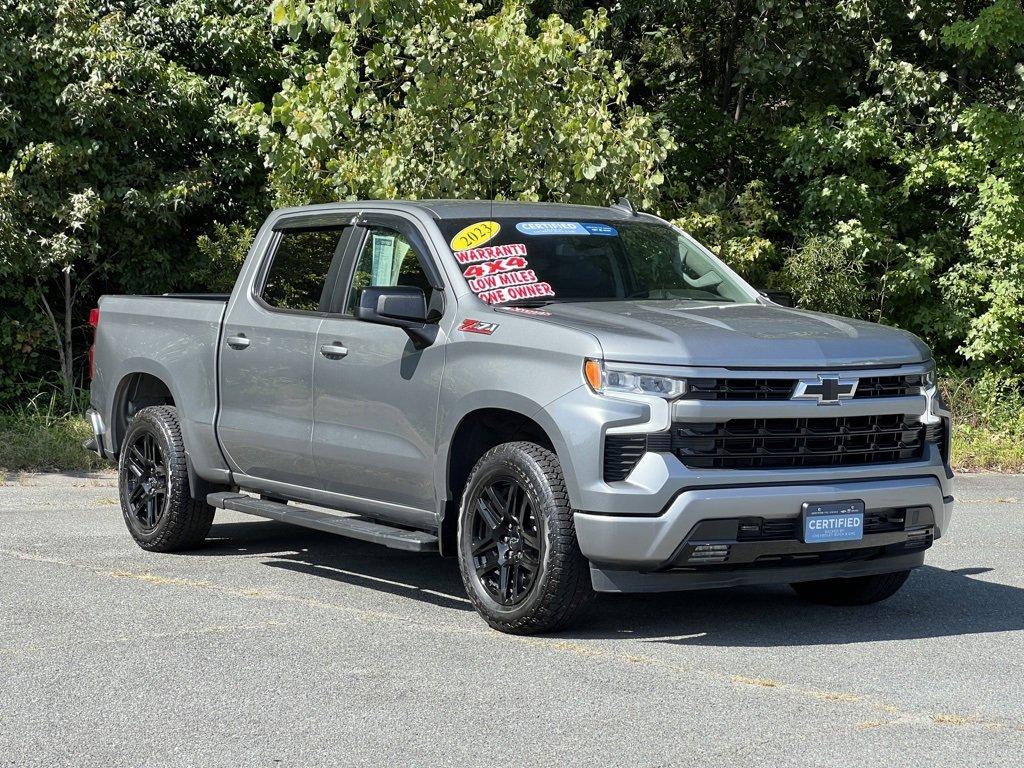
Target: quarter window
299, 270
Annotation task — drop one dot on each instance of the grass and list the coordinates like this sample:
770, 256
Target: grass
988, 422
41, 436
988, 430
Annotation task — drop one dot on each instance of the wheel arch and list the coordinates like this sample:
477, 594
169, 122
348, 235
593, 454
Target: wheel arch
476, 432
136, 390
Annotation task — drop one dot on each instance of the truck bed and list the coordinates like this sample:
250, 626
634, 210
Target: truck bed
173, 337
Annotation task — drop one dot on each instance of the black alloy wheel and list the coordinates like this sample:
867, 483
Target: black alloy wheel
507, 548
520, 560
155, 490
146, 487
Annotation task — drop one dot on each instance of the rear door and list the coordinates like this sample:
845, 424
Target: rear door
266, 361
375, 408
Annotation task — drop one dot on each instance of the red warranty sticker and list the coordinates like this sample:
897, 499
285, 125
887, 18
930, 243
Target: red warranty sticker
490, 252
489, 283
528, 291
496, 266
478, 326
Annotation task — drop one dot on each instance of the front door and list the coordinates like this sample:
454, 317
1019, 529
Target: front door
266, 369
375, 394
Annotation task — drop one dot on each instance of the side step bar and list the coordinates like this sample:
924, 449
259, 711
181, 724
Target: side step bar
353, 527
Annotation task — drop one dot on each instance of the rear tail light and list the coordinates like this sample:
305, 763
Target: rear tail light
94, 321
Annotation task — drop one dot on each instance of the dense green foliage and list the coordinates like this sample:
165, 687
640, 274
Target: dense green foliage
867, 155
117, 151
435, 100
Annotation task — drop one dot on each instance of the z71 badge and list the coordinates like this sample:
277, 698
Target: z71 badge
478, 326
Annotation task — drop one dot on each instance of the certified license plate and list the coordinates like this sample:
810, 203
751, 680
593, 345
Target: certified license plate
833, 521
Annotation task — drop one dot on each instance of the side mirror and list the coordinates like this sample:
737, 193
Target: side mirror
399, 306
783, 298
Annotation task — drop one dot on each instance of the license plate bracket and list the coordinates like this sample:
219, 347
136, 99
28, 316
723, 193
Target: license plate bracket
830, 521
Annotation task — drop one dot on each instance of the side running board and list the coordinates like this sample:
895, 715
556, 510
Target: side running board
353, 527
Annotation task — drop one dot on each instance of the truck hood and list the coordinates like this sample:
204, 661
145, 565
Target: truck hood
736, 335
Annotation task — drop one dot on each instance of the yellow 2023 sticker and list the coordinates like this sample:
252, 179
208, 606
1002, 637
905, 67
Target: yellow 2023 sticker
474, 235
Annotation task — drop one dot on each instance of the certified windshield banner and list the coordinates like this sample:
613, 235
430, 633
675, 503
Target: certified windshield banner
565, 228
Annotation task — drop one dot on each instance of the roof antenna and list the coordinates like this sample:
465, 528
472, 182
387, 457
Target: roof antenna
625, 205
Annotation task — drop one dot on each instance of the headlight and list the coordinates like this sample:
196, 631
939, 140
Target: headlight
927, 380
606, 382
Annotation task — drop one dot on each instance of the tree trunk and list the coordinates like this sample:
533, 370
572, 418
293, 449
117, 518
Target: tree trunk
62, 335
68, 358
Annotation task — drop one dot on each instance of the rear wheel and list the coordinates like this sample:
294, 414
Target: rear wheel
860, 590
156, 500
520, 561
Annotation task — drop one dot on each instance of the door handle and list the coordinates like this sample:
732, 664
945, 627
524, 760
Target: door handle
334, 351
238, 342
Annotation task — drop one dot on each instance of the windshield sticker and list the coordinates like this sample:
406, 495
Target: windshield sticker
551, 228
565, 228
478, 326
507, 264
490, 252
600, 229
490, 282
498, 273
530, 291
474, 235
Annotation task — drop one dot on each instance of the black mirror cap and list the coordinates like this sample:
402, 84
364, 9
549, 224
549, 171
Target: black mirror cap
392, 305
782, 298
400, 306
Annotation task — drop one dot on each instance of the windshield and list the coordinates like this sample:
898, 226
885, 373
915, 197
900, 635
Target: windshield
517, 261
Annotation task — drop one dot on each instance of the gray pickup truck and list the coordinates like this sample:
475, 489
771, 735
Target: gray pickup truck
568, 399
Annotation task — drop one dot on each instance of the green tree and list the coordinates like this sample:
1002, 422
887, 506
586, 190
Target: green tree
432, 99
921, 177
116, 153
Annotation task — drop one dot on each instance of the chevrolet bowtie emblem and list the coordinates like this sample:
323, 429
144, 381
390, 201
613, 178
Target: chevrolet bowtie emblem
827, 390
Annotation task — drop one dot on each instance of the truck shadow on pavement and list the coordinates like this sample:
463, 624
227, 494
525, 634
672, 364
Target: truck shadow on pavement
424, 577
934, 602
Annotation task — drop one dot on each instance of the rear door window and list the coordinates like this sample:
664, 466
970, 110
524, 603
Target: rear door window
298, 272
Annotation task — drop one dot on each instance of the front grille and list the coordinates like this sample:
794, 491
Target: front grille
888, 386
782, 389
804, 442
788, 528
774, 443
739, 389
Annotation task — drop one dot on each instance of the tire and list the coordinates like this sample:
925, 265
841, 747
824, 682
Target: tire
536, 538
153, 457
859, 590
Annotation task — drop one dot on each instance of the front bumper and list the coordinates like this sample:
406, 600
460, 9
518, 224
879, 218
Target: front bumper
640, 514
663, 545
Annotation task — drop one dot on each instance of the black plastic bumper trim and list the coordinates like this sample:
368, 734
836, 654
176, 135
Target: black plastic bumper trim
608, 580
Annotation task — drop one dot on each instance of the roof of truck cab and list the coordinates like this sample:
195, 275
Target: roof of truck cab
471, 209
441, 210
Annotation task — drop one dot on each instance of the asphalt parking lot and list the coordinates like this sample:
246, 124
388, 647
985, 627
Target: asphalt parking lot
280, 646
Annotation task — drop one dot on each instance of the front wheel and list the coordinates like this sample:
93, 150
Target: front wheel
859, 590
520, 561
156, 500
